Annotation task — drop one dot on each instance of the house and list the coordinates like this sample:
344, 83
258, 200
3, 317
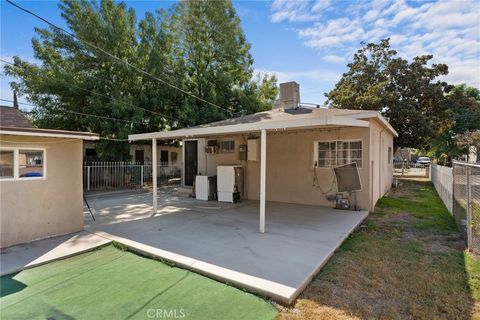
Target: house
288, 153
169, 154
40, 179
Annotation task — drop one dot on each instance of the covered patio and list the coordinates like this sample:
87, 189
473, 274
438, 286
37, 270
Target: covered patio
221, 240
259, 126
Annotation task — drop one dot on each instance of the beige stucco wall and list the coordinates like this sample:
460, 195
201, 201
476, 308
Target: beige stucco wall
290, 167
382, 173
290, 162
42, 208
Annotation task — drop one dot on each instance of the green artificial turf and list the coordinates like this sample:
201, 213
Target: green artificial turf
109, 283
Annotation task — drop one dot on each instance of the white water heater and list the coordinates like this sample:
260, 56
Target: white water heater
229, 183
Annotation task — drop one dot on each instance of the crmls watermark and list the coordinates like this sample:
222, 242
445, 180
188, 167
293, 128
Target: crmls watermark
165, 313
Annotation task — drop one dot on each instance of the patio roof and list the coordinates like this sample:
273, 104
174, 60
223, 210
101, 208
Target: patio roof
301, 118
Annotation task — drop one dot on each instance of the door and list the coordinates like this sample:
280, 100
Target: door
191, 161
164, 157
139, 156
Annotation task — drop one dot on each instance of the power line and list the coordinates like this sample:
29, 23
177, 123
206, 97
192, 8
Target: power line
102, 95
79, 113
117, 58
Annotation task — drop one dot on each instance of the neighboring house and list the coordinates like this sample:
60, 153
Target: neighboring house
405, 154
167, 154
40, 179
288, 154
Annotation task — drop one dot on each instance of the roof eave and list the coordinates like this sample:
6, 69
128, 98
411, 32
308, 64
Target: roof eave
289, 124
49, 135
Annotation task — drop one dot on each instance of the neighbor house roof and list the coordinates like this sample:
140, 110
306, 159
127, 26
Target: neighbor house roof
13, 122
12, 117
277, 119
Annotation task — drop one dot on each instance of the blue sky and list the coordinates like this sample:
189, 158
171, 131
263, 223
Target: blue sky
309, 42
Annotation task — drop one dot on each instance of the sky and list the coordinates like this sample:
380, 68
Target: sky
310, 42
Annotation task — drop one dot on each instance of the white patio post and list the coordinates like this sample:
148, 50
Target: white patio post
154, 174
263, 165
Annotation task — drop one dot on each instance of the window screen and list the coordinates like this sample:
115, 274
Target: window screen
337, 153
6, 163
227, 146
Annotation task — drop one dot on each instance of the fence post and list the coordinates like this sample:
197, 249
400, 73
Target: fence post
141, 175
88, 178
469, 210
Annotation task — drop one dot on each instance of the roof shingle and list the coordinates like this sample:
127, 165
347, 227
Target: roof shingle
13, 118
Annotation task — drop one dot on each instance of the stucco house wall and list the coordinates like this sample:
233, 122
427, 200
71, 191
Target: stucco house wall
290, 167
34, 209
147, 149
290, 164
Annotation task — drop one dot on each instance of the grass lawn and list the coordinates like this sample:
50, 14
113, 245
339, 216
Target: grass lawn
407, 261
109, 283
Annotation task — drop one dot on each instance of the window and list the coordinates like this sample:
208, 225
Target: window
20, 163
6, 163
390, 155
227, 146
30, 163
337, 153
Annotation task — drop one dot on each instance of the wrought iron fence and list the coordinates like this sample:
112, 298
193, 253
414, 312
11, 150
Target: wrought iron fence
466, 202
118, 175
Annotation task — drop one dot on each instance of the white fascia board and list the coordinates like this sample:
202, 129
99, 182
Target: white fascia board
48, 135
304, 123
377, 115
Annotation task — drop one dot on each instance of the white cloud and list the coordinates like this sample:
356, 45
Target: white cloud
334, 58
447, 29
294, 11
319, 75
321, 5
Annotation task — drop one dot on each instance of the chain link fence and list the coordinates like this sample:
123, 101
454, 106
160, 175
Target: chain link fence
466, 202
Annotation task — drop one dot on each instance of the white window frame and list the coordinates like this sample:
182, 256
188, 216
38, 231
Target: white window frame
16, 164
315, 152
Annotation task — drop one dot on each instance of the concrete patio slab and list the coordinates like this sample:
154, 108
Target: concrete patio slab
222, 240
19, 257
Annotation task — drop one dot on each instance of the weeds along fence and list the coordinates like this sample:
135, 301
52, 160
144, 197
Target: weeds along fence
459, 188
121, 175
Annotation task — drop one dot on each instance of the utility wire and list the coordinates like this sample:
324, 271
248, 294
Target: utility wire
102, 95
79, 113
117, 58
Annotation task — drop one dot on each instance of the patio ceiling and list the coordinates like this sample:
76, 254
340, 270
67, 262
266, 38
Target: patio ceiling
290, 124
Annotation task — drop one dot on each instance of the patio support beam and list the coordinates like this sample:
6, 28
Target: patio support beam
263, 173
154, 174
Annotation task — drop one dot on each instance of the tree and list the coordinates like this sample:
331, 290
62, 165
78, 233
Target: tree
464, 105
469, 141
215, 57
405, 92
195, 47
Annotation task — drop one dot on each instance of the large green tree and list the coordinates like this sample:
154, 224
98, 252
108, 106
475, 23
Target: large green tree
405, 92
464, 105
196, 54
